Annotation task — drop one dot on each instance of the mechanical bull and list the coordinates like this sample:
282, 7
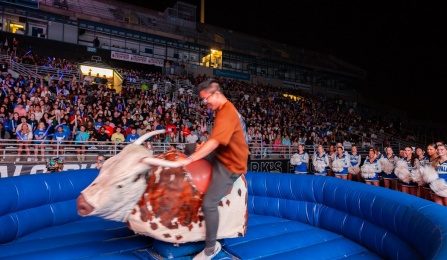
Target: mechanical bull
157, 197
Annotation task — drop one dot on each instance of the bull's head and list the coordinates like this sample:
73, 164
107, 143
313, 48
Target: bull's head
121, 182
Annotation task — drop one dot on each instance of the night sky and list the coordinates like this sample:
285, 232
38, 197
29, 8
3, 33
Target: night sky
401, 44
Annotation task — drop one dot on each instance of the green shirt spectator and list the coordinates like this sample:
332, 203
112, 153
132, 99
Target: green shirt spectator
144, 86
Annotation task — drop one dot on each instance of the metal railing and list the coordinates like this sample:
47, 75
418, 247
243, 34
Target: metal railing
24, 70
38, 71
18, 150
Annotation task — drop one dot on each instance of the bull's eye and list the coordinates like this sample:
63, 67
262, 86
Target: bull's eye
120, 186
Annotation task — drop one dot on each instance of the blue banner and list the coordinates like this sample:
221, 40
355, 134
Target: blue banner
231, 74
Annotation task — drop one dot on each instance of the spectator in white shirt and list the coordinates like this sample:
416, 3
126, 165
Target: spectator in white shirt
192, 138
88, 79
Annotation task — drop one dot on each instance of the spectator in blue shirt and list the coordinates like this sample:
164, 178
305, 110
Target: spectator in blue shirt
81, 138
98, 123
40, 140
66, 129
133, 136
58, 140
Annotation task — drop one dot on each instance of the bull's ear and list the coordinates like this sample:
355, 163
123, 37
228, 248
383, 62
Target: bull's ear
160, 162
147, 136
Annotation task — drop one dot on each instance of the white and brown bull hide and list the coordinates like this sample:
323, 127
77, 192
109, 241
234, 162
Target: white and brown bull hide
157, 198
170, 207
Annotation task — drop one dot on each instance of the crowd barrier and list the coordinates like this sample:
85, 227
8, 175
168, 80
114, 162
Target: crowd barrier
68, 149
52, 148
10, 166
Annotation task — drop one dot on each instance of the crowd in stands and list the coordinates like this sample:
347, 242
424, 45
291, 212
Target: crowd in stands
272, 120
89, 113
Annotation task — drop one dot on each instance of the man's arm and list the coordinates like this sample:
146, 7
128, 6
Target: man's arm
202, 150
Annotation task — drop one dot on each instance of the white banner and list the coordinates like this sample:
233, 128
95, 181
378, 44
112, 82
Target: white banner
17, 169
136, 58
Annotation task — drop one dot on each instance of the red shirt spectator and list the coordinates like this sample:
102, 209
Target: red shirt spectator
186, 130
109, 129
171, 128
129, 129
77, 115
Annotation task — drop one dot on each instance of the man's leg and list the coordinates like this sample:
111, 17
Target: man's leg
221, 181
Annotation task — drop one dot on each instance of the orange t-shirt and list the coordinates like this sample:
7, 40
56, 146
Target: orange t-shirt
232, 150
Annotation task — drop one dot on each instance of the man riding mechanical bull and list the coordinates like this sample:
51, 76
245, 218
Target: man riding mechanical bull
168, 197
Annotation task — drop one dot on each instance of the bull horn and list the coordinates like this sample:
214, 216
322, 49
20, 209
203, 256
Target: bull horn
147, 135
162, 163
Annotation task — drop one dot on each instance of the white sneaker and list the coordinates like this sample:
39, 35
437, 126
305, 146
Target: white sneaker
35, 159
29, 159
43, 159
202, 256
93, 147
17, 159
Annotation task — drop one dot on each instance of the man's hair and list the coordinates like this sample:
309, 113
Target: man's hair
207, 84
